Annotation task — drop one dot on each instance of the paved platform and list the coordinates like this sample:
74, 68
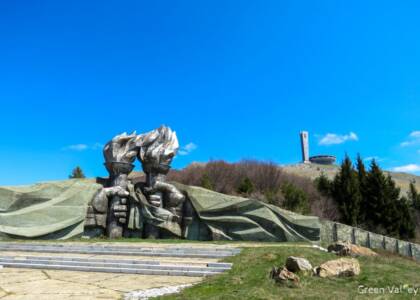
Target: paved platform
45, 283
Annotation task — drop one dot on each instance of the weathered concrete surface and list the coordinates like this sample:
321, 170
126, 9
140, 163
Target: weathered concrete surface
162, 260
37, 284
27, 284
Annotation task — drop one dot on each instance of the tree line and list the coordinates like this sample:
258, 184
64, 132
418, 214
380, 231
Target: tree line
370, 199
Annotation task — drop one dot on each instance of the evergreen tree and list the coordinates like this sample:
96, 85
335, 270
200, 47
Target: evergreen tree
376, 194
345, 190
323, 184
405, 219
77, 173
362, 174
206, 182
371, 198
386, 211
413, 195
295, 199
394, 208
246, 186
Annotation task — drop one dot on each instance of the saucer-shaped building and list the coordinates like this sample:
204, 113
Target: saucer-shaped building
323, 159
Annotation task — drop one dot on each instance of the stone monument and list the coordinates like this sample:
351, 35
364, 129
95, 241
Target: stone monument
304, 142
144, 207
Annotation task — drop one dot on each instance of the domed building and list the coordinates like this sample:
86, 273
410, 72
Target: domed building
323, 159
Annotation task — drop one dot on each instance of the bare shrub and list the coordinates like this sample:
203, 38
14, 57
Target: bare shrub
267, 180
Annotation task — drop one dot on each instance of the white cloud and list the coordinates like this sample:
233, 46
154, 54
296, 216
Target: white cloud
187, 149
410, 168
415, 134
83, 147
335, 139
76, 147
407, 143
376, 158
97, 146
413, 139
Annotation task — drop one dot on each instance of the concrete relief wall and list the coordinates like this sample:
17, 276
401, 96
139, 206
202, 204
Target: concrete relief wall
333, 231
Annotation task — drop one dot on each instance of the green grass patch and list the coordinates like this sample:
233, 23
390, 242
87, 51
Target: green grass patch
249, 277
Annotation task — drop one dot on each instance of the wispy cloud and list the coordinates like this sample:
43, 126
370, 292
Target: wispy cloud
97, 146
376, 158
415, 134
413, 139
410, 168
187, 149
336, 139
82, 147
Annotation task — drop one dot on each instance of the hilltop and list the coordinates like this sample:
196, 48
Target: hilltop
312, 171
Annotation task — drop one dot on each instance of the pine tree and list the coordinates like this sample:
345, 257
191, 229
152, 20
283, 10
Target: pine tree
413, 195
362, 174
77, 173
323, 184
246, 186
376, 203
295, 199
394, 207
405, 219
386, 211
346, 192
371, 198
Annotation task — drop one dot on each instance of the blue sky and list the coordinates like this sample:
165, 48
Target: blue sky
235, 79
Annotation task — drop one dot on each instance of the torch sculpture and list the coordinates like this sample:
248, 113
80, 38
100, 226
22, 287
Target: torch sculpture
119, 155
156, 151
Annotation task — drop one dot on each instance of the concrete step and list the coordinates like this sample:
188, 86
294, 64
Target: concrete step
123, 264
125, 261
114, 250
129, 248
107, 269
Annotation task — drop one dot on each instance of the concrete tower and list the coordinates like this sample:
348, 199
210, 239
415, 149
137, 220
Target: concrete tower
304, 142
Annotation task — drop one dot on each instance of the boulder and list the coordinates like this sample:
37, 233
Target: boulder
282, 275
342, 267
348, 249
297, 264
356, 250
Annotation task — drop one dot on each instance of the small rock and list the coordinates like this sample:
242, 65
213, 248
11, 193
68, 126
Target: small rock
348, 249
282, 275
343, 267
296, 264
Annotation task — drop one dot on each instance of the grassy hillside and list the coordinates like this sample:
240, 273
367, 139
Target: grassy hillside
314, 170
248, 278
